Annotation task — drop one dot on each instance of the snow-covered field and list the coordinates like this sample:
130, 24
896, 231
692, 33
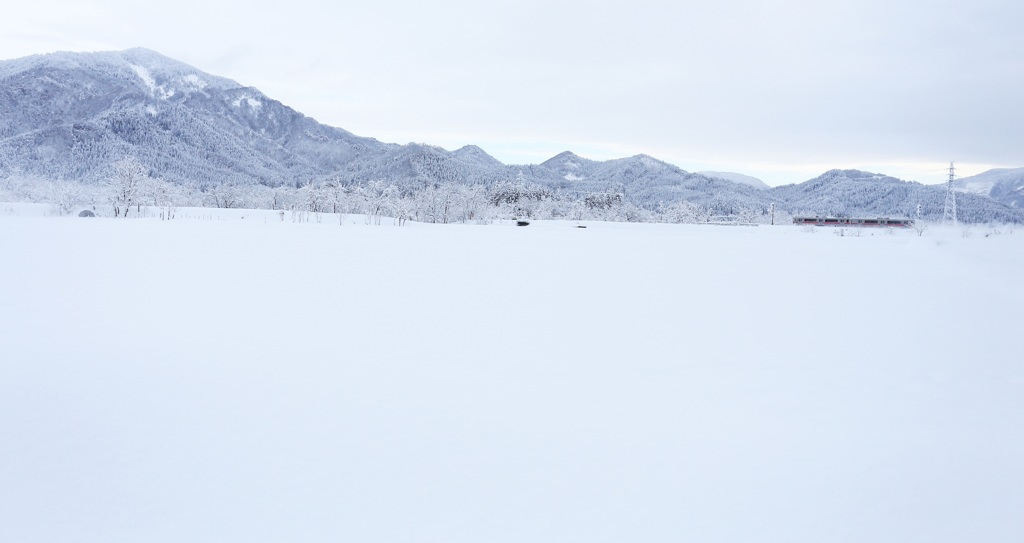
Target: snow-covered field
215, 378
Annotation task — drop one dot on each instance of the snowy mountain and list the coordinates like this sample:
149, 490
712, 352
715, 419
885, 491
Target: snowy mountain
70, 116
570, 167
1004, 185
649, 182
474, 154
848, 193
738, 178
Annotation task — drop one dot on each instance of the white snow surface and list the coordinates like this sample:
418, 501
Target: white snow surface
219, 378
194, 80
157, 91
145, 76
253, 103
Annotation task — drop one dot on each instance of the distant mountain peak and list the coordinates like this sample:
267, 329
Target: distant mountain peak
645, 157
569, 166
66, 114
162, 76
567, 159
562, 157
854, 175
651, 163
472, 153
737, 178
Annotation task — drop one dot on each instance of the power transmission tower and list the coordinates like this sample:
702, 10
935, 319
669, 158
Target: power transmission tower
949, 212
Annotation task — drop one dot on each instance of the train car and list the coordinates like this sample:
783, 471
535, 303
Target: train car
853, 222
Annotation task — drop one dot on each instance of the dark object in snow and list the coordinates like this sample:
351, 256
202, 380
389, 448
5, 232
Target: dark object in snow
86, 213
581, 226
522, 223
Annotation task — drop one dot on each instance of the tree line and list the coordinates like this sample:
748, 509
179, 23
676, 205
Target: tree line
129, 186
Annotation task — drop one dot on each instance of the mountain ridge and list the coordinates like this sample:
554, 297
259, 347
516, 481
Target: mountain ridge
1004, 185
847, 193
71, 115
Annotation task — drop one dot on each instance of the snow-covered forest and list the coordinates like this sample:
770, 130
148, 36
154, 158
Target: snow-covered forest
130, 186
837, 193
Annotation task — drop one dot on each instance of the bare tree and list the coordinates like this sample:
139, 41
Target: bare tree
685, 212
226, 195
377, 197
65, 195
919, 226
403, 209
165, 196
126, 184
474, 203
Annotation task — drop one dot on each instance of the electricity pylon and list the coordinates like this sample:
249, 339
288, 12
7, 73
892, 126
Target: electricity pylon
949, 211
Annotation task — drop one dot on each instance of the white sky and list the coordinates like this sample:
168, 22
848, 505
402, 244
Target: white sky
782, 90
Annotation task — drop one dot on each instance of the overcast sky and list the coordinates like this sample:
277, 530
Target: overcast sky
782, 90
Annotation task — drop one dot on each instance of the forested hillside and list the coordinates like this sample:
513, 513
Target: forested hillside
850, 193
195, 138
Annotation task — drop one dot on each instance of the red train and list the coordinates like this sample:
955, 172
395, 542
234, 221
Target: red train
837, 221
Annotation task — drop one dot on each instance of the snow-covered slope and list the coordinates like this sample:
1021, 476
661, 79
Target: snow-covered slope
260, 380
161, 76
848, 193
70, 115
570, 166
649, 181
738, 178
472, 153
1005, 185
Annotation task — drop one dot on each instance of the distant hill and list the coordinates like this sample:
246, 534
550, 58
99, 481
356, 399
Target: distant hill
850, 193
738, 178
648, 182
1004, 185
70, 116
